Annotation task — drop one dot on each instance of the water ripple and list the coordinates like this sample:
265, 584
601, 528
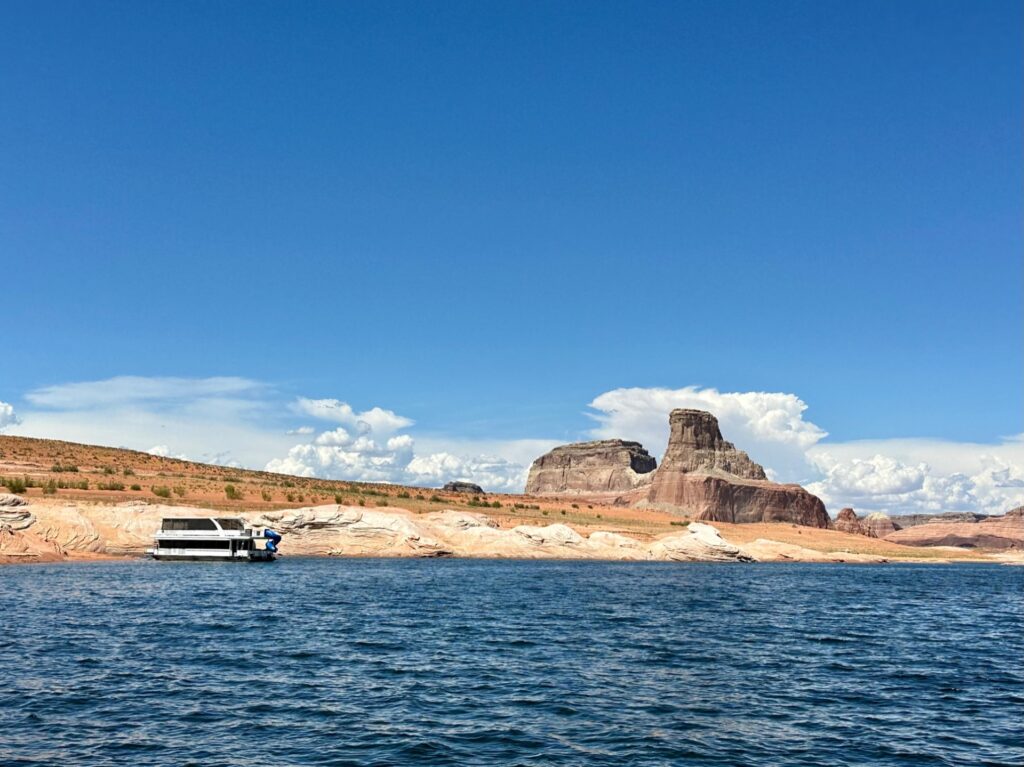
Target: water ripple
444, 662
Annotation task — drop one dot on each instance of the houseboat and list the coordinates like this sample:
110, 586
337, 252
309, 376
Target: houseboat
214, 539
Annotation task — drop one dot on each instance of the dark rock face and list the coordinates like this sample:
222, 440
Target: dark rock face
695, 444
702, 476
609, 465
912, 520
847, 521
463, 487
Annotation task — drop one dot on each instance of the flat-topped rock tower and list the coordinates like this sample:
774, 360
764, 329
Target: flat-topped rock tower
701, 476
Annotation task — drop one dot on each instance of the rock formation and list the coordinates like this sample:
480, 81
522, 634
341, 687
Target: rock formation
997, 532
606, 466
878, 525
696, 446
847, 521
702, 476
463, 487
60, 531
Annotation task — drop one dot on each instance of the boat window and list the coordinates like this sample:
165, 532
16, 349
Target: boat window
229, 523
195, 523
183, 544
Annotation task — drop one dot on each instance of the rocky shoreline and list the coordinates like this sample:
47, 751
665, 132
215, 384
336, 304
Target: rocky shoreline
54, 532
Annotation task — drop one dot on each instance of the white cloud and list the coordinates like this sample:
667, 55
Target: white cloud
375, 419
7, 416
122, 390
163, 451
302, 430
921, 476
367, 457
769, 426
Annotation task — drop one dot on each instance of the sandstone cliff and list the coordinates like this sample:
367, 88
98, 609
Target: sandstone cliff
701, 476
847, 521
1002, 532
605, 466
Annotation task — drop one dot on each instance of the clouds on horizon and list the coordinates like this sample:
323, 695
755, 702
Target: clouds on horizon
241, 422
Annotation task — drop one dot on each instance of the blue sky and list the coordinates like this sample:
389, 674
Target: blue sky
483, 216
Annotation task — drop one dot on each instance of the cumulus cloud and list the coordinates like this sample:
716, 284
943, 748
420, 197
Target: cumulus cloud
302, 430
770, 426
375, 454
7, 416
375, 419
165, 452
921, 476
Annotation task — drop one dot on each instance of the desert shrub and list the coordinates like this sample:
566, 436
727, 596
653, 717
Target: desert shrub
287, 483
58, 467
496, 505
108, 470
290, 497
575, 505
110, 485
162, 491
301, 498
179, 491
267, 495
599, 516
404, 494
50, 488
382, 502
680, 524
339, 499
563, 512
136, 487
420, 497
436, 499
128, 471
15, 484
233, 493
362, 502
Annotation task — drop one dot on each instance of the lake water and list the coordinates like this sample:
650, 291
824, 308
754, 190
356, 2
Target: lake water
385, 662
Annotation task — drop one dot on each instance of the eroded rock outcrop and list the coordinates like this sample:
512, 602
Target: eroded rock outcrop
847, 521
604, 466
878, 525
997, 532
707, 478
463, 487
127, 529
702, 476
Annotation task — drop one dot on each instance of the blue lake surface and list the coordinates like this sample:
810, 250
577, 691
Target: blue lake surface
389, 662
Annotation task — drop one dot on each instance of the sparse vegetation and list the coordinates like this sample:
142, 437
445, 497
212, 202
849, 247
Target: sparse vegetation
112, 485
50, 488
161, 491
57, 468
267, 495
108, 470
136, 487
129, 471
404, 494
233, 493
436, 499
179, 491
15, 484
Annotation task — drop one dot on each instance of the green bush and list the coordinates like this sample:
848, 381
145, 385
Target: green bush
179, 490
162, 491
110, 486
233, 493
128, 472
404, 494
362, 502
15, 485
339, 499
107, 470
496, 505
267, 495
136, 487
50, 488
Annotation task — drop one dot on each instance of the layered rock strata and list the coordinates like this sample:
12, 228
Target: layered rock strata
69, 530
605, 466
702, 476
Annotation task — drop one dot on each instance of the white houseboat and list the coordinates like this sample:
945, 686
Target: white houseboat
215, 539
